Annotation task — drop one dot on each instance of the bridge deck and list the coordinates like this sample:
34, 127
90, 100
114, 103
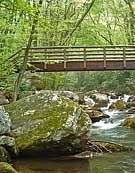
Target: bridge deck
86, 58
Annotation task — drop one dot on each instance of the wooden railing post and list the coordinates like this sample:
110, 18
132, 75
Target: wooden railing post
45, 62
65, 59
85, 59
30, 55
104, 49
124, 57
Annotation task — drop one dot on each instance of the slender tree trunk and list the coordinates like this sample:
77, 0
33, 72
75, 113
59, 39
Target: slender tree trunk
79, 22
24, 64
131, 23
25, 60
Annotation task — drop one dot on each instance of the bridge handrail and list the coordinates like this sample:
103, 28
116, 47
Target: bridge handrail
91, 46
78, 53
106, 52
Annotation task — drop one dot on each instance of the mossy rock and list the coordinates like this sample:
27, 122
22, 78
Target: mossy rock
129, 122
6, 168
119, 105
48, 124
4, 155
130, 104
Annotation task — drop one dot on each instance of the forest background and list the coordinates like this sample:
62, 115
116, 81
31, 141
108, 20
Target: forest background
67, 22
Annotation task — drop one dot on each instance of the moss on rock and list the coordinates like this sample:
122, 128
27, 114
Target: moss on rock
6, 168
49, 124
4, 155
130, 104
119, 104
129, 122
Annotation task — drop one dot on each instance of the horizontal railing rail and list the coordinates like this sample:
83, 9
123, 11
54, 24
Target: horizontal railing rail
74, 53
65, 54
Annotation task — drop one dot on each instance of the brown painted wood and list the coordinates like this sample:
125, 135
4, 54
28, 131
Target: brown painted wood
79, 66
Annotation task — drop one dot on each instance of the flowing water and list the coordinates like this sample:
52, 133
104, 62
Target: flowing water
109, 130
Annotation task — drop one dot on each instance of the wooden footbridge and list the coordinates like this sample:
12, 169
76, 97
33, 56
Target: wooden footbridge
79, 58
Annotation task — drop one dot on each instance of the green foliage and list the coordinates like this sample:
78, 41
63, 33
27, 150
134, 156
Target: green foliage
54, 81
109, 22
104, 81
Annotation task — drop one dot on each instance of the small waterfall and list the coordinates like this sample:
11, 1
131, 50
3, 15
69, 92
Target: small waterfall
106, 124
110, 102
115, 115
126, 98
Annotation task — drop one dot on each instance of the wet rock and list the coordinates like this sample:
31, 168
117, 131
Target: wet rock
6, 168
4, 155
93, 97
129, 122
3, 100
5, 122
81, 156
131, 98
113, 96
96, 115
101, 99
49, 124
119, 105
105, 146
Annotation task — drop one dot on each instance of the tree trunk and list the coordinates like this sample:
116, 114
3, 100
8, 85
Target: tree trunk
24, 64
131, 23
79, 22
25, 60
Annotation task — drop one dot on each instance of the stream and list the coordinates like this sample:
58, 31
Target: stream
108, 130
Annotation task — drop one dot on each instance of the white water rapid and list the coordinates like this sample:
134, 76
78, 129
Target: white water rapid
116, 117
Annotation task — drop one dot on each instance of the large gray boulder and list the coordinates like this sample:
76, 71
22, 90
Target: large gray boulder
5, 140
69, 94
5, 122
49, 124
5, 129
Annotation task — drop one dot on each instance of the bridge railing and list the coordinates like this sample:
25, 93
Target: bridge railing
82, 53
64, 54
